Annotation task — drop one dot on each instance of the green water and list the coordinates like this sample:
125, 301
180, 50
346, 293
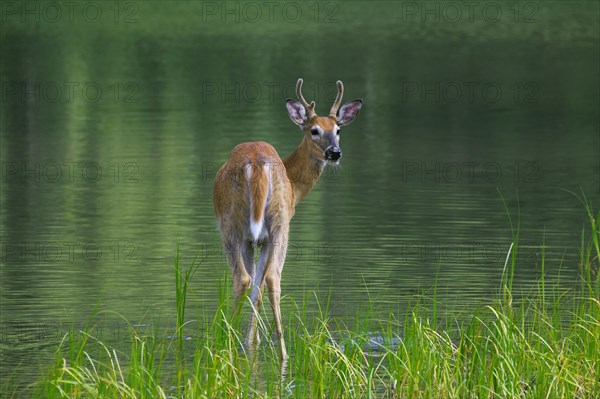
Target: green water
113, 126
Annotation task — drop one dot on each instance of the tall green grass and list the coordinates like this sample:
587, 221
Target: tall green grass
544, 345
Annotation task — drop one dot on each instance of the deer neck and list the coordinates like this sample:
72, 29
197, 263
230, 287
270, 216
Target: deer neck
303, 169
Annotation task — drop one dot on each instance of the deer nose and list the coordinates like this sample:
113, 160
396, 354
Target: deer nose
333, 153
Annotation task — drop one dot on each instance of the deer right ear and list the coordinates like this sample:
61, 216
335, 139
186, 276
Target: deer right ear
296, 111
348, 112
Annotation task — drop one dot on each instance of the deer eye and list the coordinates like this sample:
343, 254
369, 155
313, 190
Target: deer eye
314, 131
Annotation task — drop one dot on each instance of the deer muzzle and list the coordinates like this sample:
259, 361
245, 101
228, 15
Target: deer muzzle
333, 153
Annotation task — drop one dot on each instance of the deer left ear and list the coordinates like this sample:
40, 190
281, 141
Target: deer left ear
348, 112
296, 112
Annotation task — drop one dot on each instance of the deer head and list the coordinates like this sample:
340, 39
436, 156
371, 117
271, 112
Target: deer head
323, 132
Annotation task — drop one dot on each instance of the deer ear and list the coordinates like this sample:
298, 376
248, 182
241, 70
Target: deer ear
296, 111
348, 112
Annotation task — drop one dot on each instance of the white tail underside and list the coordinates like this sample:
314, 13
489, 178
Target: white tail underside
256, 227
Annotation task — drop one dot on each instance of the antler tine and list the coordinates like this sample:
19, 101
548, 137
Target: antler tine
338, 99
310, 108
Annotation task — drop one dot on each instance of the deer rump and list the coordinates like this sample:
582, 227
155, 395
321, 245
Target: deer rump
252, 195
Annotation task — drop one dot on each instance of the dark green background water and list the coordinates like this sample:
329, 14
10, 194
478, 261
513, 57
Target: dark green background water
115, 118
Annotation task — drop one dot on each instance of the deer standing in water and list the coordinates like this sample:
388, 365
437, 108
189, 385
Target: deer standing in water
255, 194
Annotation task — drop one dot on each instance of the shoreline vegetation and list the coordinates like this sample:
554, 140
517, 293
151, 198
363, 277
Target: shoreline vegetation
543, 345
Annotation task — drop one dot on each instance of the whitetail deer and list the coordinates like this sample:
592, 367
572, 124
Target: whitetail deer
255, 194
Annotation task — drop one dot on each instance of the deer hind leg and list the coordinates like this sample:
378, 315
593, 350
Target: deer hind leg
273, 279
258, 279
241, 278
